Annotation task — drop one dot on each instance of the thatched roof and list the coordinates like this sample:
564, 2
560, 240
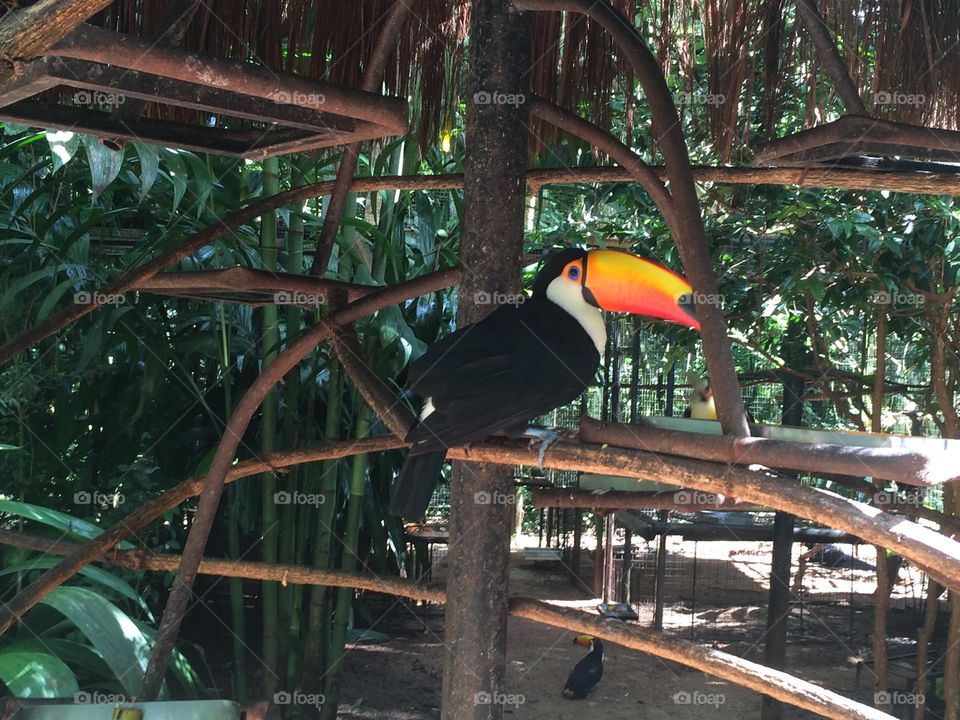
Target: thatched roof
908, 52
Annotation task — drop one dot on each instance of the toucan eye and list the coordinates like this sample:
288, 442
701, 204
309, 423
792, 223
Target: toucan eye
573, 272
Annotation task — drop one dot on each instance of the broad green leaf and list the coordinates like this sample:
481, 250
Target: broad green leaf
104, 163
63, 145
112, 633
91, 572
36, 675
74, 654
149, 167
76, 528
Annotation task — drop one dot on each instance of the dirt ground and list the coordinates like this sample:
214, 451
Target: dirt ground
823, 639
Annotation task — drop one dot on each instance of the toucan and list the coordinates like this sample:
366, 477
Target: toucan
527, 358
586, 673
702, 406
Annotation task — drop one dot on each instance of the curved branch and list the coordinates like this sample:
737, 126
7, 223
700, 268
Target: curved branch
607, 143
372, 79
729, 667
688, 232
223, 457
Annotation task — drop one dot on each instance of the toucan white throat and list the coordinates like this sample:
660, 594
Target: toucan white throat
568, 294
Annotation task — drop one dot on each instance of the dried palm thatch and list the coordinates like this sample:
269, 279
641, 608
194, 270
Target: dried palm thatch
757, 57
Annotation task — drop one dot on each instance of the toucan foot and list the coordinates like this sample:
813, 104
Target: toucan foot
545, 437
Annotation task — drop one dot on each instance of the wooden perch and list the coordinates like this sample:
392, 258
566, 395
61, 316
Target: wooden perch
934, 553
720, 664
900, 466
238, 281
853, 129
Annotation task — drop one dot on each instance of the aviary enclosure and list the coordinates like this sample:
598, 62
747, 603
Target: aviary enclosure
238, 236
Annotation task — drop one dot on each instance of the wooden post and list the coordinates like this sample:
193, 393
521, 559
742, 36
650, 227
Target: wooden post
492, 237
627, 566
660, 573
609, 566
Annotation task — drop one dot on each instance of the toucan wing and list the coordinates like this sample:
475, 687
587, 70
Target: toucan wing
517, 363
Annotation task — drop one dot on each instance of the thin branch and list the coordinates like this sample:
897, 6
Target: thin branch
372, 80
384, 403
829, 56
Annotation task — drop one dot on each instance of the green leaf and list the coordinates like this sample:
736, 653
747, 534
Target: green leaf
36, 675
91, 572
105, 164
63, 146
149, 167
112, 633
75, 528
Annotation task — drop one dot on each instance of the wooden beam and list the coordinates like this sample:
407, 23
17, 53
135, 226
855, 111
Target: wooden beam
31, 31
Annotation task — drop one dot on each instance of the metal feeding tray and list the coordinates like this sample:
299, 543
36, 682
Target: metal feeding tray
617, 611
114, 75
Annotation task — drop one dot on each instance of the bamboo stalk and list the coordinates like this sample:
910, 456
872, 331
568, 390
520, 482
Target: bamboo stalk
317, 625
270, 520
238, 624
348, 564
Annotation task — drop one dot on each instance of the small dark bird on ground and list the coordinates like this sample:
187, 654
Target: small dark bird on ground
527, 358
586, 673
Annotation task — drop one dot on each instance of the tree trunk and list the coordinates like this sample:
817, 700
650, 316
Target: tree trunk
491, 244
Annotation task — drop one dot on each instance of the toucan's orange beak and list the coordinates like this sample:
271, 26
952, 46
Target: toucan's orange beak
584, 640
621, 282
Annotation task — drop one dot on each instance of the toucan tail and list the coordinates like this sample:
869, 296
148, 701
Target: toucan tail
414, 487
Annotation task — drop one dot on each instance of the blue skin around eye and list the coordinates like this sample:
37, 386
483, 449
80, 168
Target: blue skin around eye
573, 273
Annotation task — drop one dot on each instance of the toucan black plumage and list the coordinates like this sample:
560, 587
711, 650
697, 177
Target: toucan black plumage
527, 358
586, 673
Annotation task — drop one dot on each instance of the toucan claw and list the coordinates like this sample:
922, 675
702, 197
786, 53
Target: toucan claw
545, 436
